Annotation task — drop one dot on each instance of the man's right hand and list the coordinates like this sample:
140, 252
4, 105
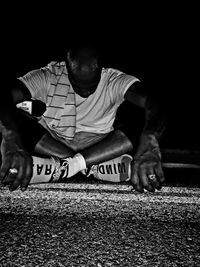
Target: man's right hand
15, 156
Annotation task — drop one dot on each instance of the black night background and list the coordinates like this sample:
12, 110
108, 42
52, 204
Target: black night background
85, 222
155, 42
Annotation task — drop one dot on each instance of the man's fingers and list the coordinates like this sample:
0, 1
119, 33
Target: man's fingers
9, 179
143, 175
6, 163
153, 179
160, 174
135, 179
18, 178
18, 164
25, 170
28, 175
24, 165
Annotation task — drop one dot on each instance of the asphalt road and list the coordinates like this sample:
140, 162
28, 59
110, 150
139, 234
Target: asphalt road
99, 225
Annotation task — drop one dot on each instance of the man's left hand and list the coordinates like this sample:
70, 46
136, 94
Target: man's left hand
146, 169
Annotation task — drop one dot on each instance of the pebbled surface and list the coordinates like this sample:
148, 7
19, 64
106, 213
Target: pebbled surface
99, 225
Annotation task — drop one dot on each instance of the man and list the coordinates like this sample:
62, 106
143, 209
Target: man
75, 133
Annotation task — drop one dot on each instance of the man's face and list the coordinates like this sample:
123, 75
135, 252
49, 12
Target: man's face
84, 74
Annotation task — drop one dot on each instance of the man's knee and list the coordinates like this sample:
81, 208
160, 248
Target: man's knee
30, 130
123, 138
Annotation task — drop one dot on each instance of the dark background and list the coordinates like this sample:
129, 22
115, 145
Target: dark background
156, 42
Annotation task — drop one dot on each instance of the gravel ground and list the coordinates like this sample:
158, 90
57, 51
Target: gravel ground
99, 225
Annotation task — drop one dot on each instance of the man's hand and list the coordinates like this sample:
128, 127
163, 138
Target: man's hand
14, 156
146, 169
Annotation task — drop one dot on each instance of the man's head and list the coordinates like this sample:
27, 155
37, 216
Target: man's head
84, 69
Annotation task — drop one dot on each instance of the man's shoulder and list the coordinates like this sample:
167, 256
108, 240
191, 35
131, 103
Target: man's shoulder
111, 71
56, 67
112, 75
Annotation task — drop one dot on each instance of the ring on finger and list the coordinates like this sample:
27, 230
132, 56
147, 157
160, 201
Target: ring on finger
13, 171
152, 177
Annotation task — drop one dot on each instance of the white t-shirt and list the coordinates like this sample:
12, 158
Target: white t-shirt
97, 112
66, 109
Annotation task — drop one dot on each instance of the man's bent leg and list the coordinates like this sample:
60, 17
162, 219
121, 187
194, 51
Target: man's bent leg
37, 140
45, 150
48, 146
115, 170
112, 146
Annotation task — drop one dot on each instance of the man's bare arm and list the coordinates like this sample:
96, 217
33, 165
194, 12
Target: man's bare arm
19, 92
155, 115
147, 159
13, 153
